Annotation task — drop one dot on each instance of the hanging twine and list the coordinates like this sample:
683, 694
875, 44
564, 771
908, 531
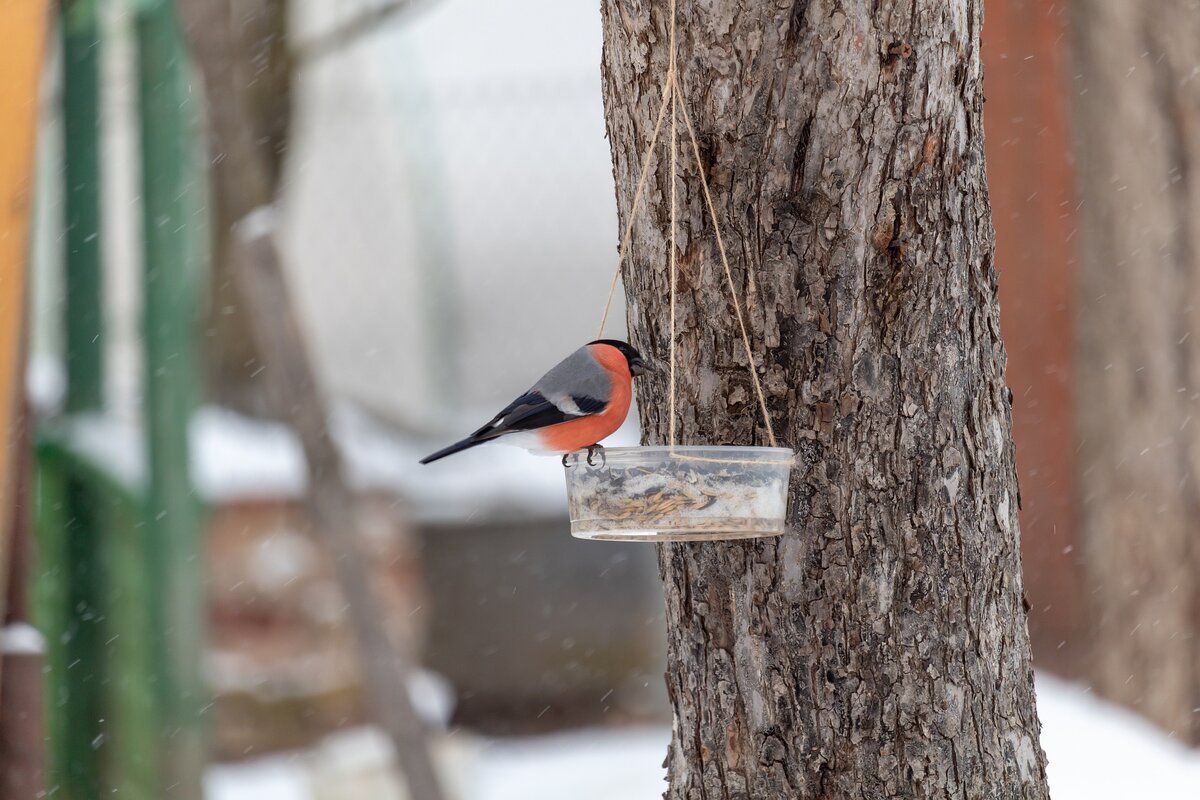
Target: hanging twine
672, 89
673, 97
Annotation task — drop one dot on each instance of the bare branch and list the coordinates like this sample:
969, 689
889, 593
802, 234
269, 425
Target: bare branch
348, 33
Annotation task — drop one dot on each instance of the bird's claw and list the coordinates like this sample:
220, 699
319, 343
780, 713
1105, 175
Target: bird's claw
564, 459
592, 450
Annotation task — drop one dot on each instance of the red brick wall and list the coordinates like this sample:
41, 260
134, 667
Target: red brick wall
1031, 182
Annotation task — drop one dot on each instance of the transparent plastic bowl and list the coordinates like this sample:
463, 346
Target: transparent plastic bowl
680, 494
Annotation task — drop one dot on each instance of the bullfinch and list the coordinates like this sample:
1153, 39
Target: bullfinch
573, 406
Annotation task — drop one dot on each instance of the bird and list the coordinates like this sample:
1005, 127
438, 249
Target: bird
583, 399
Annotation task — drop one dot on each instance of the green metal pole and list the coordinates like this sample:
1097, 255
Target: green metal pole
67, 588
76, 674
173, 250
81, 171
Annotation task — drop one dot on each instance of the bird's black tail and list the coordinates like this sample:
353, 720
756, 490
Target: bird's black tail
457, 447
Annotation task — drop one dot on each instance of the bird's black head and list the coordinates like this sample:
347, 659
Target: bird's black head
637, 364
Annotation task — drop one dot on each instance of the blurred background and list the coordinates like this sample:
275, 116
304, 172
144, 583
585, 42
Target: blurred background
419, 190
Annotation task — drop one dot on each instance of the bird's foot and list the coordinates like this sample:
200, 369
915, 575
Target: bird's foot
592, 451
564, 460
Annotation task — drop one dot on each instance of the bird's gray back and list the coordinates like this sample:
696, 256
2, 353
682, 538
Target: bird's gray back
576, 376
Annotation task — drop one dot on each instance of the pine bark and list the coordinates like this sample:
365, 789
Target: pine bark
879, 649
1137, 127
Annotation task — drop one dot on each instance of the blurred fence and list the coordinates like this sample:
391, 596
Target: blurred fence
119, 594
449, 223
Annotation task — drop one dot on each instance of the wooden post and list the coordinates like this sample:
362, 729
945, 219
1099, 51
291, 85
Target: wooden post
22, 699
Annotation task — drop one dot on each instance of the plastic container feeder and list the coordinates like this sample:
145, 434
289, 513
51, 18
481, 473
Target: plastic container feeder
680, 494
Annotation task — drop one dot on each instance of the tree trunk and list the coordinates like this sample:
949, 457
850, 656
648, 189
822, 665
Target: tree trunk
1137, 122
291, 385
249, 40
879, 649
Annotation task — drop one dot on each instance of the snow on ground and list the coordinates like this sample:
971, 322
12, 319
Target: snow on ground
1096, 752
272, 778
587, 765
610, 764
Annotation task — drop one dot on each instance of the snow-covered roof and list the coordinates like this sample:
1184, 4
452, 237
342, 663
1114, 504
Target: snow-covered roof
235, 457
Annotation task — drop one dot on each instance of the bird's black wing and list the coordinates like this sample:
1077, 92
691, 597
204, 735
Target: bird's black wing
534, 410
528, 412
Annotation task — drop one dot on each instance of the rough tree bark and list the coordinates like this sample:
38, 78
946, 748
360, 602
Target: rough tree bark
879, 649
1137, 126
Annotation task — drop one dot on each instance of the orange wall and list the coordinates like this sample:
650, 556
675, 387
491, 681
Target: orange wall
22, 31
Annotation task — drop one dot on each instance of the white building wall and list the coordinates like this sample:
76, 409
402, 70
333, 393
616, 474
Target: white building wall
450, 212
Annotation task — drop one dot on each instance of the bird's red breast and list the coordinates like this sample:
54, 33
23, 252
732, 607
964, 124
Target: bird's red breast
576, 434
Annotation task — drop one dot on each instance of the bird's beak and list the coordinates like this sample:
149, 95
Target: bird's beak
640, 366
